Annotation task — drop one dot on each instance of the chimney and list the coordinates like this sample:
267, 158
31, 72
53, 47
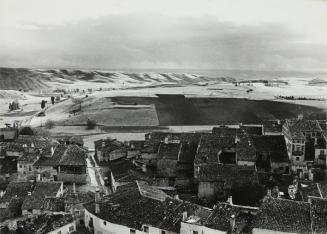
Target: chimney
29, 193
230, 200
97, 199
269, 193
166, 140
184, 215
232, 222
103, 143
52, 150
74, 188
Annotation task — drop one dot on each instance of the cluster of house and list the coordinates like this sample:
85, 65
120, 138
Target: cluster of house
41, 207
33, 171
215, 161
171, 182
140, 208
43, 158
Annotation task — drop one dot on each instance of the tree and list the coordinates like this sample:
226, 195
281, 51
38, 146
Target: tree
91, 124
43, 104
49, 124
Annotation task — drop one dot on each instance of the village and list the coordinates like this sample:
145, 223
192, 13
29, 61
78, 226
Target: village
237, 178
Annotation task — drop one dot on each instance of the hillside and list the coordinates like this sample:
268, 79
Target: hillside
36, 79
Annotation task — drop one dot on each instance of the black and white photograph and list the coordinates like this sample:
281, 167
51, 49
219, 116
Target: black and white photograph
163, 116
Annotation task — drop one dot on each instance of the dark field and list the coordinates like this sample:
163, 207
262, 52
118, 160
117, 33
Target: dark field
177, 110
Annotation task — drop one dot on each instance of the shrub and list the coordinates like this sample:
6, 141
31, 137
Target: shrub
91, 124
49, 124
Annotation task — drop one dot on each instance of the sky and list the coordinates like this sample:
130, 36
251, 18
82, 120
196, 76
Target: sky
174, 34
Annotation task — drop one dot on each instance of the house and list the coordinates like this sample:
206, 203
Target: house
224, 218
67, 164
149, 153
124, 172
215, 180
8, 134
11, 149
272, 127
134, 148
72, 165
15, 190
271, 153
282, 216
137, 208
26, 161
168, 155
47, 224
109, 149
74, 204
287, 216
245, 152
35, 200
301, 136
211, 148
321, 151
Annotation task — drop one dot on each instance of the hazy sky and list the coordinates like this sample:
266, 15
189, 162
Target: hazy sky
206, 34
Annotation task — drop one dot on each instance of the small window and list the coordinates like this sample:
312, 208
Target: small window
146, 229
195, 232
104, 223
297, 159
163, 232
132, 231
20, 166
71, 228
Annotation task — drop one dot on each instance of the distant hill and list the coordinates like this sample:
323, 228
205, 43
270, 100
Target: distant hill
317, 81
37, 79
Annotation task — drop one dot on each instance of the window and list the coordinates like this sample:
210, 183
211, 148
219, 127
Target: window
146, 229
163, 232
71, 228
195, 232
297, 159
132, 231
104, 223
20, 166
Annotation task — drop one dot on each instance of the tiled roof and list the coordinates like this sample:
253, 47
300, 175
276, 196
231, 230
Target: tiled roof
73, 156
245, 150
78, 198
169, 151
284, 216
227, 173
134, 207
109, 145
54, 204
220, 218
274, 146
150, 148
184, 137
297, 127
17, 189
29, 156
272, 127
40, 192
120, 168
44, 224
318, 214
68, 155
209, 147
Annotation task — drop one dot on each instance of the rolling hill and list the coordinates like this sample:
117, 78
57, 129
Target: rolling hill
41, 79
